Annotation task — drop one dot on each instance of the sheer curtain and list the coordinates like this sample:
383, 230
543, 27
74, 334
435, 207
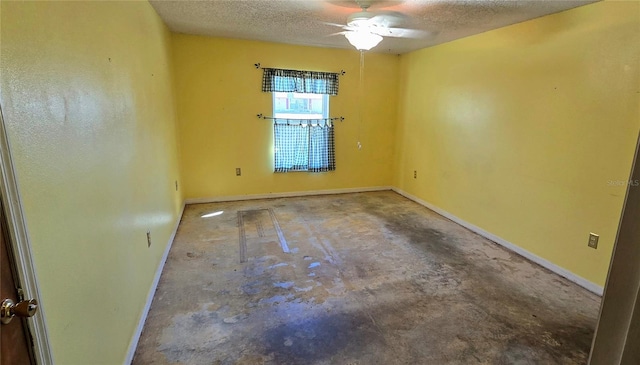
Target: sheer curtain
304, 147
321, 148
291, 147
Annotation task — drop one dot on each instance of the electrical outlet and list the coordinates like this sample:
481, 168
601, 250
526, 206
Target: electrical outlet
238, 171
593, 240
148, 238
415, 174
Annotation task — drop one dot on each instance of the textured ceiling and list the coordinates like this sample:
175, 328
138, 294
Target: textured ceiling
303, 22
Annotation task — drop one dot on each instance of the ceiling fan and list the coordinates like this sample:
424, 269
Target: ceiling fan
365, 29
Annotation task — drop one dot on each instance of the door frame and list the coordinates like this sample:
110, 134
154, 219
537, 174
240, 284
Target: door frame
621, 298
21, 247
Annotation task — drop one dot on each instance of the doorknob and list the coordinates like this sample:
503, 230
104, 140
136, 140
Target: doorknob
24, 308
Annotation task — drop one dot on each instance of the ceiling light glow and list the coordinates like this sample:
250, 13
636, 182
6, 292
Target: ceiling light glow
363, 40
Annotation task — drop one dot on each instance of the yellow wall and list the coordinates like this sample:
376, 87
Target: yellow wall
521, 130
219, 93
87, 98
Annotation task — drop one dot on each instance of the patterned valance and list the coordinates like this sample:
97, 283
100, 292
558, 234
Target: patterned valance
312, 82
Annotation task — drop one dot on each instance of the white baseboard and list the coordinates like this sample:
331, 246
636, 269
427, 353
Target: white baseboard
284, 195
594, 288
152, 291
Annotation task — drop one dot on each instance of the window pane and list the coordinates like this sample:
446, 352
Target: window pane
300, 106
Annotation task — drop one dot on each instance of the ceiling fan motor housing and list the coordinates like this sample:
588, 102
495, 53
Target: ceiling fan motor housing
359, 19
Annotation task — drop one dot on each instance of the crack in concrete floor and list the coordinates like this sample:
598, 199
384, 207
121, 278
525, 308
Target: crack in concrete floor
372, 278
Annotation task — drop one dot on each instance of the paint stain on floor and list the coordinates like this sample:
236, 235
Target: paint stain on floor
371, 278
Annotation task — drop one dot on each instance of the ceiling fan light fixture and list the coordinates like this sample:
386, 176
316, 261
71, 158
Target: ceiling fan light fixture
362, 39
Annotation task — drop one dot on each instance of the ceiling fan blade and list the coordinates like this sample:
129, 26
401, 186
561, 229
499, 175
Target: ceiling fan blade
381, 22
338, 33
401, 32
387, 18
334, 24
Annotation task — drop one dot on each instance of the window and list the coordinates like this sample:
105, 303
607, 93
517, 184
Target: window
303, 135
300, 106
302, 129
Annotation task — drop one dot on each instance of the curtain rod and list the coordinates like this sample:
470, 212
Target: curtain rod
342, 72
261, 116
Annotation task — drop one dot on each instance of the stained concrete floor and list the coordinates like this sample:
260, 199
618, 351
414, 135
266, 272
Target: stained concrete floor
371, 278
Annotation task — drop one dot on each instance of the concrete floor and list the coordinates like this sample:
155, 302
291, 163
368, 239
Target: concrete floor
372, 278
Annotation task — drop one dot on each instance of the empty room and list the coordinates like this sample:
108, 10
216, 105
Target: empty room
320, 182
